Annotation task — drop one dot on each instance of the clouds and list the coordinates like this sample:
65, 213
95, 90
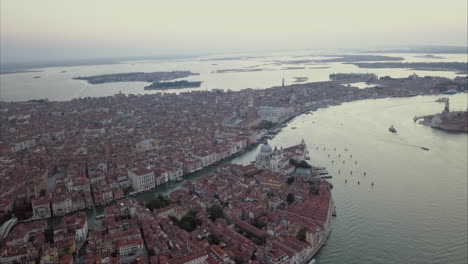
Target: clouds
117, 27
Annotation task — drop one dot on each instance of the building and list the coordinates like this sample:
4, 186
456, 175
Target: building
62, 205
142, 179
127, 247
268, 158
41, 208
274, 114
279, 159
145, 145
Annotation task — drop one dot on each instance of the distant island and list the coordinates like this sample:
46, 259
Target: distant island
430, 56
342, 58
459, 67
300, 79
351, 58
353, 77
136, 77
240, 70
293, 68
172, 85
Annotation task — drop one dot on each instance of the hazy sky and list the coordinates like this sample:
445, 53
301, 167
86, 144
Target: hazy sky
62, 29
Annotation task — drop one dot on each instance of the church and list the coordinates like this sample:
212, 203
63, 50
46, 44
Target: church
278, 159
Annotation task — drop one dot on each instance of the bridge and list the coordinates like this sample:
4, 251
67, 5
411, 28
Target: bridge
7, 226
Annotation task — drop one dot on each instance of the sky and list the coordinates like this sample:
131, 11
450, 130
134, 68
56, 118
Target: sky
33, 30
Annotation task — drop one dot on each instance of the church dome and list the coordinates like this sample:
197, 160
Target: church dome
266, 148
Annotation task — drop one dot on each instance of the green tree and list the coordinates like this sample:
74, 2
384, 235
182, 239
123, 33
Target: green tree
301, 235
212, 239
42, 192
314, 189
290, 180
258, 223
238, 260
158, 202
290, 198
189, 222
215, 212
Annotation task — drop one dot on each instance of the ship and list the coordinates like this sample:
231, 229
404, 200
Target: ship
450, 92
392, 129
441, 100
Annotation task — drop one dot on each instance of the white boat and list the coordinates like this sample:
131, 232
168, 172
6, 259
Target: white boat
313, 261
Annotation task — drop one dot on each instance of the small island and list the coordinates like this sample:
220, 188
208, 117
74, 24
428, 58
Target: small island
136, 77
353, 77
447, 120
300, 79
458, 67
172, 85
430, 56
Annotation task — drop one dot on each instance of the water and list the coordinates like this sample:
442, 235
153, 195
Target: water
417, 210
56, 83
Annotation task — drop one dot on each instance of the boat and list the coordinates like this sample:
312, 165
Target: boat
450, 92
326, 177
424, 148
441, 100
313, 261
392, 129
293, 127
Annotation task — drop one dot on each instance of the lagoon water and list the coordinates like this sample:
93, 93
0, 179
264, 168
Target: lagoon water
56, 83
416, 212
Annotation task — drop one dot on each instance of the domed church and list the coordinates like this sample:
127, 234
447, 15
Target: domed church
278, 159
268, 158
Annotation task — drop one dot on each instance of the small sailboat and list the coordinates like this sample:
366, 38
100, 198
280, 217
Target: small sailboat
392, 129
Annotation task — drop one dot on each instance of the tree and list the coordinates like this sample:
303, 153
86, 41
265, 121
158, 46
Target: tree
42, 192
189, 222
290, 198
301, 235
67, 249
238, 260
258, 223
314, 189
290, 180
158, 202
212, 239
49, 235
215, 212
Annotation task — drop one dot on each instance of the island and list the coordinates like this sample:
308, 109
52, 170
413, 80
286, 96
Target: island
136, 77
240, 70
456, 121
172, 85
300, 79
342, 58
353, 77
430, 56
459, 67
